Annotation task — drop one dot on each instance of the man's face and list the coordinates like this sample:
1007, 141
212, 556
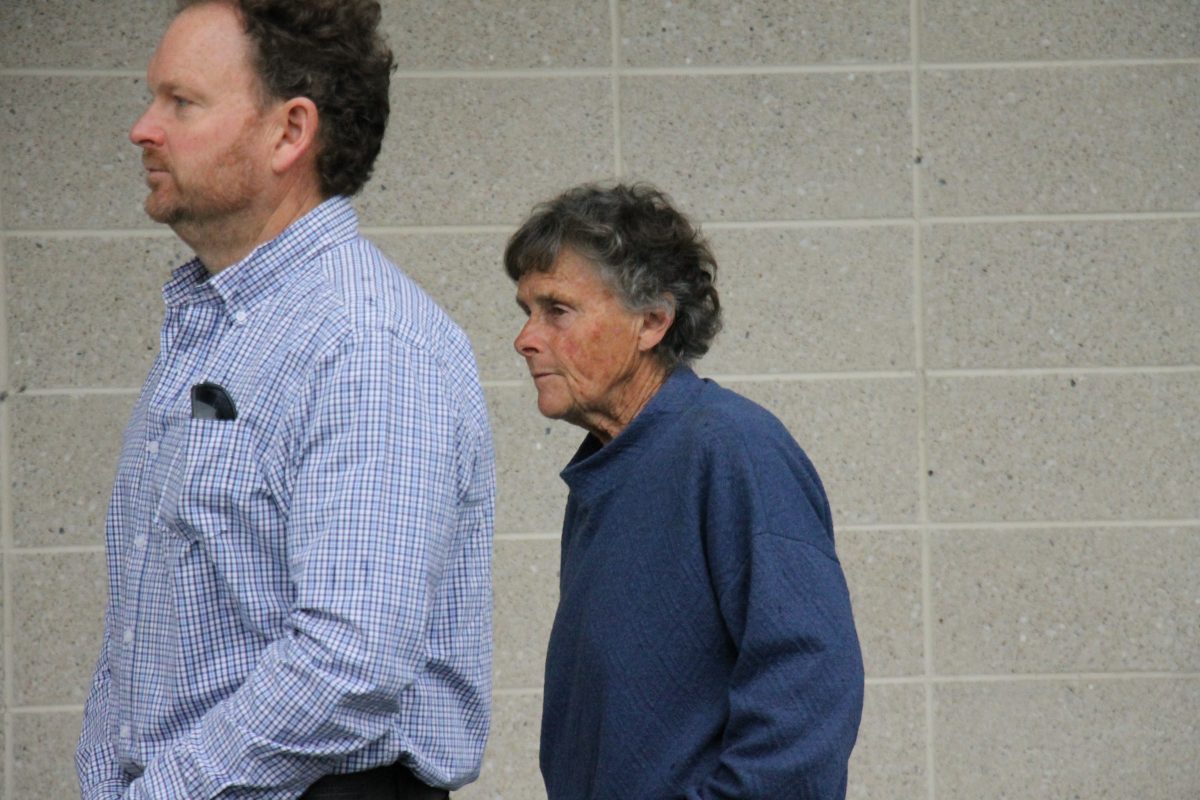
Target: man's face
580, 343
203, 136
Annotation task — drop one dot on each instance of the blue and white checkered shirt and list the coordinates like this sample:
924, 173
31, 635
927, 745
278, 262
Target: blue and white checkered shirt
305, 589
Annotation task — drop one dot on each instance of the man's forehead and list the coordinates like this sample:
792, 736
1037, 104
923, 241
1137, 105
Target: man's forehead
206, 39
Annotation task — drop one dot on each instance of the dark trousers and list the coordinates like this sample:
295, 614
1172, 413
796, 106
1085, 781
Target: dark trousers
393, 782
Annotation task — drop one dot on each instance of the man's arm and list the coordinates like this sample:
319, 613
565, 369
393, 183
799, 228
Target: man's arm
100, 774
371, 514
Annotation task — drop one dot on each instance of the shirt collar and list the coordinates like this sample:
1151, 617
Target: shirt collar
269, 266
592, 461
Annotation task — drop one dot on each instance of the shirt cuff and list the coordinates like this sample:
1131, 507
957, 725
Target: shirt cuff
109, 790
174, 774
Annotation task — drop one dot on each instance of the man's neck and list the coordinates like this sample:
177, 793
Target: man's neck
222, 243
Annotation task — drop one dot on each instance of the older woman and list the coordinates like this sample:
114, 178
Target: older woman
703, 645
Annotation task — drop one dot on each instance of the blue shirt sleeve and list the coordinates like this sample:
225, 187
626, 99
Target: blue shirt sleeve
795, 698
100, 773
796, 689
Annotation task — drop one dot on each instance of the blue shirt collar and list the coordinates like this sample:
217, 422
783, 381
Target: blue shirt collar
591, 461
240, 286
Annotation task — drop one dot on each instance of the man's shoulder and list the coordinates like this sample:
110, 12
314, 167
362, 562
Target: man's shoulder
360, 291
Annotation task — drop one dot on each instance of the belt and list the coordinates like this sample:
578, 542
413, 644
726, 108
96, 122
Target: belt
391, 782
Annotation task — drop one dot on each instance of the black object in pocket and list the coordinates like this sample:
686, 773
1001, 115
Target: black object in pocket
211, 401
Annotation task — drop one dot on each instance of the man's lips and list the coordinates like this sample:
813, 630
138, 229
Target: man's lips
154, 174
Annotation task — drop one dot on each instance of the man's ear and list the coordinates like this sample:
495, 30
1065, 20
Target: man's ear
655, 324
296, 136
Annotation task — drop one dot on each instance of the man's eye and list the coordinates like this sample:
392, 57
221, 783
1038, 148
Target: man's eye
181, 102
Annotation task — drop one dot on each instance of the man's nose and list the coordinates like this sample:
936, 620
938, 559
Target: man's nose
146, 132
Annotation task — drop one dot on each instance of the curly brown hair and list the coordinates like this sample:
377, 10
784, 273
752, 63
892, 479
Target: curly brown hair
645, 249
332, 52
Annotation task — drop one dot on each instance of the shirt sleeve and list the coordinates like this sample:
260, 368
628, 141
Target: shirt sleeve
100, 774
796, 689
795, 697
371, 465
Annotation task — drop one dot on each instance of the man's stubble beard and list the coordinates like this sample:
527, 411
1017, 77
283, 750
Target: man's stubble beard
229, 188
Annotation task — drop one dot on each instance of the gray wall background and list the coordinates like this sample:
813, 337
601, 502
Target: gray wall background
960, 248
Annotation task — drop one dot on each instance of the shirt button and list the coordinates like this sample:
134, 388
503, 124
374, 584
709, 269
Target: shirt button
152, 447
140, 541
127, 637
126, 731
239, 317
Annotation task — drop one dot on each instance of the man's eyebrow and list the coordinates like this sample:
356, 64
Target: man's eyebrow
164, 87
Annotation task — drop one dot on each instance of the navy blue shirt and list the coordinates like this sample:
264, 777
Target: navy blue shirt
704, 645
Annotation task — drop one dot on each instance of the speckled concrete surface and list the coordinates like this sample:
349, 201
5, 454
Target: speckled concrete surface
958, 259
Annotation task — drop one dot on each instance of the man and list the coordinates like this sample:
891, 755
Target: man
299, 535
703, 645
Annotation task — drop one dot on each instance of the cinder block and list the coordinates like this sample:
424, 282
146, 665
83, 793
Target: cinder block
772, 147
484, 151
813, 300
763, 32
1028, 141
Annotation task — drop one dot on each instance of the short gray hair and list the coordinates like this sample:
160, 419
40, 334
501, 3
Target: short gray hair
648, 252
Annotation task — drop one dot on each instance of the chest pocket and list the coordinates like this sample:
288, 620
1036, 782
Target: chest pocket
213, 490
222, 529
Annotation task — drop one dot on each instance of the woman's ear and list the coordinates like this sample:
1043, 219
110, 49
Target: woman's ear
655, 324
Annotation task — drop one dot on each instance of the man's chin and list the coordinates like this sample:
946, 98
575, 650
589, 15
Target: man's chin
162, 212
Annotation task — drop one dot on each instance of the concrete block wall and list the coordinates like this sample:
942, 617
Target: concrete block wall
960, 252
